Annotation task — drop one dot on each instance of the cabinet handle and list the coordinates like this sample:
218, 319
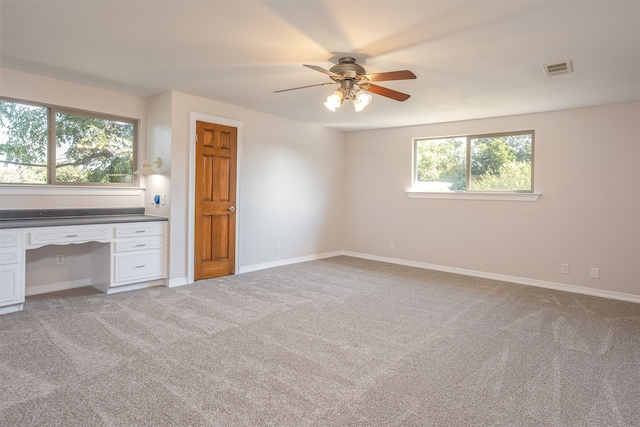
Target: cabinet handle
140, 231
140, 266
72, 235
141, 244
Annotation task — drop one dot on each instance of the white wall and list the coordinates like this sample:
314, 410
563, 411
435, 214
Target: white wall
586, 167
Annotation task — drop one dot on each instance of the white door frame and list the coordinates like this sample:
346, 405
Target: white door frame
201, 117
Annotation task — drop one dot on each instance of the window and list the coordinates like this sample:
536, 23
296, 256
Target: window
52, 145
481, 163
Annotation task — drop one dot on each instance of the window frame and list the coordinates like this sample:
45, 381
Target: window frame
414, 169
52, 109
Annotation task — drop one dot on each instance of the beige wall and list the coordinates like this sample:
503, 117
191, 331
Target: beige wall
315, 190
158, 146
586, 167
291, 176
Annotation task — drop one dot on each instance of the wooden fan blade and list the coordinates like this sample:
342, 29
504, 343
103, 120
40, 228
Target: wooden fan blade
389, 93
304, 87
324, 71
391, 75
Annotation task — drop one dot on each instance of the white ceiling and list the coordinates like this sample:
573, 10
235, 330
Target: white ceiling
473, 59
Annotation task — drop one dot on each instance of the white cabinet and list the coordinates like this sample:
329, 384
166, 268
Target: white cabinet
138, 253
124, 256
11, 273
137, 257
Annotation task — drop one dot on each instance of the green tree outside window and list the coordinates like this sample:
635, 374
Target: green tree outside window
86, 148
499, 162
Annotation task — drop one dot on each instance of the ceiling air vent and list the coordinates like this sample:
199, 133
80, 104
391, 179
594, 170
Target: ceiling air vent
557, 68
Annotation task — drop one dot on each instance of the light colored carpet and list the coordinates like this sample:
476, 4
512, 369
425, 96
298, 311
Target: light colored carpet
336, 342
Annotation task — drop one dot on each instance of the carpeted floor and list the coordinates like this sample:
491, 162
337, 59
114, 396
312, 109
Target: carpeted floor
336, 342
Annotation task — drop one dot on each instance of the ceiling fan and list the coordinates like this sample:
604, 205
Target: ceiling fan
355, 84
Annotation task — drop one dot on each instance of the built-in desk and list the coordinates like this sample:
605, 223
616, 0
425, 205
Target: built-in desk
128, 248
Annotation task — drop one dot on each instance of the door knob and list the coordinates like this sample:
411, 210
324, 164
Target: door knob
232, 209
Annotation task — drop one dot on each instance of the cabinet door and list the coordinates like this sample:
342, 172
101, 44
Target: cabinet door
11, 273
10, 290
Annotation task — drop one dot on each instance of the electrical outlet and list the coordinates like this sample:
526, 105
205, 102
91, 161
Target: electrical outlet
564, 268
392, 246
278, 248
595, 273
59, 259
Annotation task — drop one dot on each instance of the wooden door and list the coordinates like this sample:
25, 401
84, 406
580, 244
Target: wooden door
215, 200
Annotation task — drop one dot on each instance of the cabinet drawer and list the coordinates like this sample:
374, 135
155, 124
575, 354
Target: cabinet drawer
9, 256
68, 235
126, 245
139, 229
132, 268
8, 240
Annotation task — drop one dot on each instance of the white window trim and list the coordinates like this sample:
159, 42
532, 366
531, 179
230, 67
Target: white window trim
507, 196
8, 188
528, 196
67, 190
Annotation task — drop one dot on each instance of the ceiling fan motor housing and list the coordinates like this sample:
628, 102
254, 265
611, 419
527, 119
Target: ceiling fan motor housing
348, 69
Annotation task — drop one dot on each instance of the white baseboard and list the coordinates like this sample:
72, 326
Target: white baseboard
55, 287
180, 281
11, 308
289, 261
501, 277
63, 286
135, 286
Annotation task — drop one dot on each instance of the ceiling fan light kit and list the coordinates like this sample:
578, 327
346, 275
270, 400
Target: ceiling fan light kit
334, 100
361, 100
348, 91
355, 84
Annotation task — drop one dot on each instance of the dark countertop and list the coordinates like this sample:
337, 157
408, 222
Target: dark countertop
65, 217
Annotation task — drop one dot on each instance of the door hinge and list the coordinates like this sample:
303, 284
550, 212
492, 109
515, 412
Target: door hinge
195, 256
196, 137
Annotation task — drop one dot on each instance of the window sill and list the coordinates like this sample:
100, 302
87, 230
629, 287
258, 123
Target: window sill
514, 197
64, 190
